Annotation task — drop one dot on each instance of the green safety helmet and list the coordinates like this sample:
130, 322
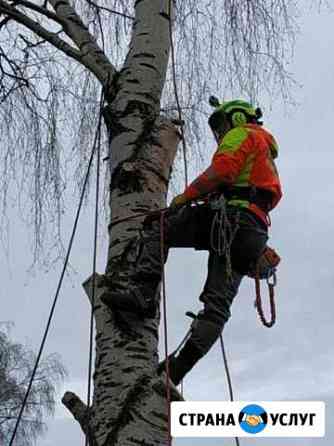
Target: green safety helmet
236, 113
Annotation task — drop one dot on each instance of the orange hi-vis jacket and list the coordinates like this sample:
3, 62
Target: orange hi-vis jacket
244, 158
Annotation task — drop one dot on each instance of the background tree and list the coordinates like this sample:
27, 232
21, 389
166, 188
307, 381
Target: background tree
54, 56
16, 365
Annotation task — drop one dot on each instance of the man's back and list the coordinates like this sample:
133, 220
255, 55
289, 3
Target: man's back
244, 159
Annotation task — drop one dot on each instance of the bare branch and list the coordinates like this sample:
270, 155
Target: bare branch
93, 56
110, 11
4, 22
43, 11
88, 53
35, 27
77, 408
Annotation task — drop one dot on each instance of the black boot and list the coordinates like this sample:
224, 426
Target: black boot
181, 364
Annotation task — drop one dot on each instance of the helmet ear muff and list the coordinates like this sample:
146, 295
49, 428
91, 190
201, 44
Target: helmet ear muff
216, 121
238, 118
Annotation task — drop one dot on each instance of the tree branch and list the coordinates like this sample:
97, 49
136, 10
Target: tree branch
78, 409
111, 11
93, 56
43, 11
4, 22
88, 287
89, 53
35, 27
81, 414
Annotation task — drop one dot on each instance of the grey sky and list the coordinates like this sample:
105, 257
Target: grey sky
294, 360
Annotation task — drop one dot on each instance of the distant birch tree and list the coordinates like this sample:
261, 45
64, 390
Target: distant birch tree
16, 365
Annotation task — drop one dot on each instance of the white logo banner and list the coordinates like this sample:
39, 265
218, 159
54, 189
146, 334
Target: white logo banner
248, 419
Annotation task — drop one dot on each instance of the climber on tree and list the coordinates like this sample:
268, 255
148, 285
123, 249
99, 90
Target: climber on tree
238, 190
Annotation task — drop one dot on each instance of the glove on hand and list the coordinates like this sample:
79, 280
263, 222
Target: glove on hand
266, 264
177, 201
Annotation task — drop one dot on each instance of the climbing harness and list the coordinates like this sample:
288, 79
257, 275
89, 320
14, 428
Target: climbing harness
221, 239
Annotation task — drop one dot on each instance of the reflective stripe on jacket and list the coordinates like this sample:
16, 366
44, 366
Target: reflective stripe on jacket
245, 157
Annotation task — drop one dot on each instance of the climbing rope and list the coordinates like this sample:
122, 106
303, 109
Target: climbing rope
164, 299
58, 289
176, 94
93, 282
228, 376
223, 232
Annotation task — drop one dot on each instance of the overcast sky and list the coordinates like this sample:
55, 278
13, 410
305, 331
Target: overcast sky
294, 360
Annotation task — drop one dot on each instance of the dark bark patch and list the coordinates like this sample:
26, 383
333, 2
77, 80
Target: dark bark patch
120, 344
147, 65
60, 3
140, 442
165, 15
129, 369
160, 415
110, 385
140, 388
135, 349
129, 182
137, 107
148, 55
138, 414
139, 357
151, 169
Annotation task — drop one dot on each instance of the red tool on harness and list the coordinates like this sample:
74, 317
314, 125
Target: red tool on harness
265, 268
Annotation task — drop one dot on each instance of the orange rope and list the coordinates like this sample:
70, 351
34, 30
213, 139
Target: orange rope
258, 302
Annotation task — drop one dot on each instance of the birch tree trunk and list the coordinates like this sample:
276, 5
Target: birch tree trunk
129, 403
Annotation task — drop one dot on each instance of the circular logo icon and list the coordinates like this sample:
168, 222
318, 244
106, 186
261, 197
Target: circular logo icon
253, 419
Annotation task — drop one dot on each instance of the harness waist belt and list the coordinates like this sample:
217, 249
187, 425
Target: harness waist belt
260, 197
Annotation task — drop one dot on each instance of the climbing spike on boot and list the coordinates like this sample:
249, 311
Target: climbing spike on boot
181, 364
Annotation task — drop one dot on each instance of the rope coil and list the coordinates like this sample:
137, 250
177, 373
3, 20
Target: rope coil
223, 232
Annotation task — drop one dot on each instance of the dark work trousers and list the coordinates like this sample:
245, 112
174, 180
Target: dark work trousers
190, 227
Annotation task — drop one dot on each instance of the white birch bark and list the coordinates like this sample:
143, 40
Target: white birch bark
129, 403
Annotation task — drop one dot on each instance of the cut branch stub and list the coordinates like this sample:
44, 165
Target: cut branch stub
78, 409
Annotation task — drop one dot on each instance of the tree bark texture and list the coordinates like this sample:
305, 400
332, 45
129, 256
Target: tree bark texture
129, 402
